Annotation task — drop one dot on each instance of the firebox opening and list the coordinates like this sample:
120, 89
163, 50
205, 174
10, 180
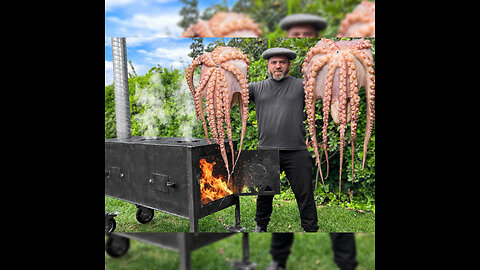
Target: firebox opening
213, 181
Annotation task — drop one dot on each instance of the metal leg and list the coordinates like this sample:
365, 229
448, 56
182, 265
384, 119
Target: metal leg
237, 228
245, 264
184, 251
193, 225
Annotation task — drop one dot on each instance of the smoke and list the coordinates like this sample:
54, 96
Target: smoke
184, 99
166, 110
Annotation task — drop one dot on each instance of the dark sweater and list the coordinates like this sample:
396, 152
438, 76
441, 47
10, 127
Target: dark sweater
279, 108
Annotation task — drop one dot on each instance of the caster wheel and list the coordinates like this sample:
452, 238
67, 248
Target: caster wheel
110, 226
144, 215
117, 246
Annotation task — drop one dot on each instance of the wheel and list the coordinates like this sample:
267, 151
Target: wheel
144, 215
110, 226
117, 246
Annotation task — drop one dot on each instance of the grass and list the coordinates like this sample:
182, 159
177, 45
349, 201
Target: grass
285, 218
309, 251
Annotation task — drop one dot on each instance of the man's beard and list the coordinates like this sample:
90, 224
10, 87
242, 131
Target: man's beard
278, 77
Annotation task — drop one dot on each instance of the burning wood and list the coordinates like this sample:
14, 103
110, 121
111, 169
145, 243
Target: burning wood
211, 187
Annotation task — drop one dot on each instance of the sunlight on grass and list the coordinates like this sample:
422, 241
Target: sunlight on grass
309, 251
285, 218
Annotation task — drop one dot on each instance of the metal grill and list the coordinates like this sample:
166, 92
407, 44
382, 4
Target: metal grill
164, 174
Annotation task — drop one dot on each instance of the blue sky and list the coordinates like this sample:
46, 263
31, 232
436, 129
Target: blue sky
151, 32
147, 18
146, 53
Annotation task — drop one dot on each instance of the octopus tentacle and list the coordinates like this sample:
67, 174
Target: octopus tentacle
224, 24
326, 108
244, 99
359, 23
198, 100
244, 114
207, 60
310, 105
226, 104
342, 113
233, 55
220, 88
349, 66
370, 89
219, 108
354, 101
367, 63
189, 74
210, 107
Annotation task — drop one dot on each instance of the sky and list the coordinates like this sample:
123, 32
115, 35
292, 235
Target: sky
151, 32
146, 53
148, 18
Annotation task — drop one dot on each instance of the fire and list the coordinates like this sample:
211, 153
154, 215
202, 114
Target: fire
212, 188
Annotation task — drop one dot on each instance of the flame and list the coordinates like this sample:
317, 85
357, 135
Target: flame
211, 188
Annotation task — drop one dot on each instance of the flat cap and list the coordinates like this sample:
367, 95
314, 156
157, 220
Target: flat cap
279, 51
318, 22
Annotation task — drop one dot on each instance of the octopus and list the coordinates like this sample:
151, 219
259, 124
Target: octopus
224, 24
359, 23
223, 84
335, 72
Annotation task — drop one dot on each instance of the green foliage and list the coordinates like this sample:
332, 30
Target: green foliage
268, 13
189, 13
160, 105
196, 47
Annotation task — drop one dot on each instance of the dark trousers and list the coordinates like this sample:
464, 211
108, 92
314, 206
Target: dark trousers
343, 245
297, 165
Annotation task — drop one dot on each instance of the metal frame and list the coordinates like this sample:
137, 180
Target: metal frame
164, 174
183, 243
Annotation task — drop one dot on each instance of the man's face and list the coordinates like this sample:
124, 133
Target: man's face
302, 30
278, 67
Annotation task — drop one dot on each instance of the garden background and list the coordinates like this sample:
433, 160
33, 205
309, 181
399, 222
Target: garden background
161, 105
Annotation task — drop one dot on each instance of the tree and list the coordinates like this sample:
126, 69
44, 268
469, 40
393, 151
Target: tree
197, 47
189, 13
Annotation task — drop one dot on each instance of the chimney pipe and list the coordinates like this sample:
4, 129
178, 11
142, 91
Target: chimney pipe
120, 80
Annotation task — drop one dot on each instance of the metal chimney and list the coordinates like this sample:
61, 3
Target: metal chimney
120, 79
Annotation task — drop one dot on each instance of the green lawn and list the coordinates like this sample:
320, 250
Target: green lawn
285, 218
309, 251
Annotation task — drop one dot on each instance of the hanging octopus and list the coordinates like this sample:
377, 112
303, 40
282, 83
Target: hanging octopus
359, 23
224, 24
334, 72
223, 84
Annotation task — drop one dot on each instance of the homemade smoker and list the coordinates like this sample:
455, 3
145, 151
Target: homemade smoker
164, 174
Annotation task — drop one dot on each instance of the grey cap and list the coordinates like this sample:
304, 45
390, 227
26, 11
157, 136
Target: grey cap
318, 22
279, 51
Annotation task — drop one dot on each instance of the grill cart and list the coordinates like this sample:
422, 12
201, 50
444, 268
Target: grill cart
165, 174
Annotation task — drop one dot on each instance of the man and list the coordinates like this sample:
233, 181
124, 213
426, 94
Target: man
343, 246
303, 25
279, 102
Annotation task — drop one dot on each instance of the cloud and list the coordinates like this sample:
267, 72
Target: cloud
143, 24
108, 72
110, 4
167, 53
145, 53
